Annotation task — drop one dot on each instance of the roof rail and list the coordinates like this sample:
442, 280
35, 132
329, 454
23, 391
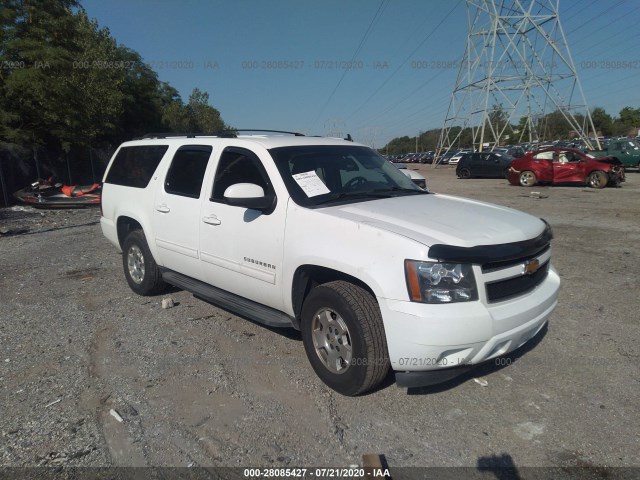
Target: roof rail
230, 133
234, 130
148, 136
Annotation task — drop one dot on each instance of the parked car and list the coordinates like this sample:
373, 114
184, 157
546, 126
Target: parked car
488, 165
415, 177
445, 156
626, 150
565, 165
513, 151
426, 157
457, 156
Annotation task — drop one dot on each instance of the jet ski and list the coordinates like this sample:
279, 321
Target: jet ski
51, 194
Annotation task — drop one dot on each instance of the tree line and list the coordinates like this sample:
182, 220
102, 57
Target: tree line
551, 126
66, 83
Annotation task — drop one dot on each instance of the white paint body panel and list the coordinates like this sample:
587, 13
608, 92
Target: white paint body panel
256, 255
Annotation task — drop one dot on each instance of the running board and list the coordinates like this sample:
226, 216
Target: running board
229, 301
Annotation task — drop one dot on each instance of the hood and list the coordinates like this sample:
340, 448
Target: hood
609, 160
443, 219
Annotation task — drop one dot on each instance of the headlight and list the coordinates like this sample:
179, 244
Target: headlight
431, 282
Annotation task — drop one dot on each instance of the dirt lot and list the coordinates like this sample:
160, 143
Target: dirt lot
197, 386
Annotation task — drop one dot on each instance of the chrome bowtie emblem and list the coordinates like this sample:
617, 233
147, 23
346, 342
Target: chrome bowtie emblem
530, 267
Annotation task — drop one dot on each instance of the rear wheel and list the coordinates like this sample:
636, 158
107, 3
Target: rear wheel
140, 268
528, 178
344, 337
464, 173
598, 179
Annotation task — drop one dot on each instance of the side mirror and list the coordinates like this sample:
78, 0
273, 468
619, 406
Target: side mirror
249, 195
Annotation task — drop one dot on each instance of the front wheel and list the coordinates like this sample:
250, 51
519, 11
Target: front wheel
597, 179
528, 178
140, 268
344, 337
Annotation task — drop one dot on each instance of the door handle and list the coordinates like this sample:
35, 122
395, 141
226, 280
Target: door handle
163, 208
211, 220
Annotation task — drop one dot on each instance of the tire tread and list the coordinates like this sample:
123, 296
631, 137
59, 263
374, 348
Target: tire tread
153, 284
368, 313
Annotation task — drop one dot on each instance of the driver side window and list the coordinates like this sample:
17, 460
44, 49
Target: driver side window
238, 166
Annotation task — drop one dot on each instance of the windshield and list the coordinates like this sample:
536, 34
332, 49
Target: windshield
327, 175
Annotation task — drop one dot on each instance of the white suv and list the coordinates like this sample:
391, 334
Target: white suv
325, 236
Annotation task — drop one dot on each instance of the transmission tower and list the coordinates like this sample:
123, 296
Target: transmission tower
516, 69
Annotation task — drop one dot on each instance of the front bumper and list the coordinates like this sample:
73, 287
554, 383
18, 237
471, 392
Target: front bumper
430, 344
428, 378
616, 176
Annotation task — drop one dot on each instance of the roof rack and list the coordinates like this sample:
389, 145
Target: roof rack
148, 136
233, 130
231, 133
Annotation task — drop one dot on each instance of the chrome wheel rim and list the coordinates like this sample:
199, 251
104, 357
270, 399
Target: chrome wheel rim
526, 178
135, 264
332, 340
594, 181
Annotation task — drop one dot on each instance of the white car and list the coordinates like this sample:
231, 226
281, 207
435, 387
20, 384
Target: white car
325, 236
415, 177
456, 158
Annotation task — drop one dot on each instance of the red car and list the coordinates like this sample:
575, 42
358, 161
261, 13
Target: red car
565, 165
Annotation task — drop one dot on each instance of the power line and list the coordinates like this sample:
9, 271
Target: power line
353, 57
608, 9
406, 59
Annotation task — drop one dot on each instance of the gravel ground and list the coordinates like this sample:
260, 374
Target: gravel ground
93, 375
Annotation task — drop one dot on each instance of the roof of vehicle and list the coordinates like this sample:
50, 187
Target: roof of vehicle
553, 149
266, 141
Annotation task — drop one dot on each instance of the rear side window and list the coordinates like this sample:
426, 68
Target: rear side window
187, 170
134, 166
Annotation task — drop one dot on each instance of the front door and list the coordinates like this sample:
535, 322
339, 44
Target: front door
567, 167
241, 248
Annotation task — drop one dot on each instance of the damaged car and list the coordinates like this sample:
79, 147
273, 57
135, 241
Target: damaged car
565, 165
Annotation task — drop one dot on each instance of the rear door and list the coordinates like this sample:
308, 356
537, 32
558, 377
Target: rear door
177, 208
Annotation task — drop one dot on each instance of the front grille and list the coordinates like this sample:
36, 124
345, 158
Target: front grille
512, 287
493, 266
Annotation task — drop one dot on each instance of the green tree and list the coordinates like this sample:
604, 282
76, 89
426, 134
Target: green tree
203, 117
628, 122
97, 79
39, 43
175, 117
602, 121
69, 83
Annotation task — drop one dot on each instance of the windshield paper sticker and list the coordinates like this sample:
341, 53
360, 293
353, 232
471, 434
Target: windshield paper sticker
311, 184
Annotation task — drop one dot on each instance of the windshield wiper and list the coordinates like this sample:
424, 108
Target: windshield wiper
343, 195
401, 189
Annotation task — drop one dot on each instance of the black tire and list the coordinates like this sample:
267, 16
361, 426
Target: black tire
527, 178
140, 268
355, 325
464, 173
598, 179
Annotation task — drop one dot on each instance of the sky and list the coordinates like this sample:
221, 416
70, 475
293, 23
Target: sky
376, 69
